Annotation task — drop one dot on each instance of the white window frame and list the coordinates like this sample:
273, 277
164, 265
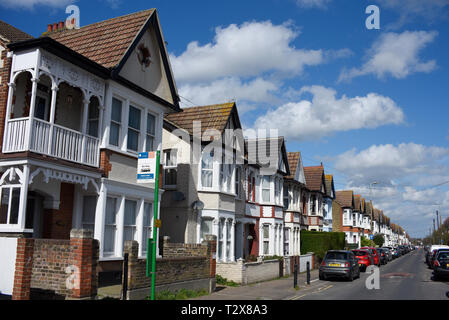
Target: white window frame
138, 131
174, 166
145, 227
265, 188
8, 215
117, 209
148, 134
119, 124
266, 239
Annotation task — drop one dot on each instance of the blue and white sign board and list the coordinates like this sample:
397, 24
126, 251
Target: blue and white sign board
371, 237
146, 167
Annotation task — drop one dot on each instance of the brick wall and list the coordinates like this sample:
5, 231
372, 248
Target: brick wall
181, 262
46, 264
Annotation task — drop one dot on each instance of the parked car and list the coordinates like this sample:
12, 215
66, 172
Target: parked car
365, 258
434, 255
388, 253
394, 253
339, 263
429, 253
382, 255
375, 255
441, 264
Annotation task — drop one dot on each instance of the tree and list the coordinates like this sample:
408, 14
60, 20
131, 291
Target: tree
365, 242
379, 240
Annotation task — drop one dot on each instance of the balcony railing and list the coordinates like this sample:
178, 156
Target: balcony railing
52, 140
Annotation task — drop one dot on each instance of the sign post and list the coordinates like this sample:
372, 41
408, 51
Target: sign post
147, 172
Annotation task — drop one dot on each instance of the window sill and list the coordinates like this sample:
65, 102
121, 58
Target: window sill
5, 229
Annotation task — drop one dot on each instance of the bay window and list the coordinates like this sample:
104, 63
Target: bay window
9, 205
151, 132
116, 122
133, 128
147, 224
129, 231
110, 228
266, 181
170, 167
207, 169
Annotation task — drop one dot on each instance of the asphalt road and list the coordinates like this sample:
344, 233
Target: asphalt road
405, 278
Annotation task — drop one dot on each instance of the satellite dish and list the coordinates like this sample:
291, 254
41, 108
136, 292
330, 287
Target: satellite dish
197, 205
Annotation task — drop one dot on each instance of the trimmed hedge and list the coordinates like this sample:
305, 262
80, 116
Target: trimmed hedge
320, 242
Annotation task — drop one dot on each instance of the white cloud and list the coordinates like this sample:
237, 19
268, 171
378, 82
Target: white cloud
387, 162
231, 88
246, 50
395, 54
327, 114
30, 4
413, 10
321, 4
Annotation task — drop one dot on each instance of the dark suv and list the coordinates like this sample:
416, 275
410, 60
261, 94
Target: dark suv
441, 264
339, 263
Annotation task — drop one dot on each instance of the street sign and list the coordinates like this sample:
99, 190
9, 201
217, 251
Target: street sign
146, 167
371, 237
157, 223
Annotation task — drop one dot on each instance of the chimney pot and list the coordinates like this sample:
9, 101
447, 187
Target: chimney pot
61, 25
55, 27
48, 27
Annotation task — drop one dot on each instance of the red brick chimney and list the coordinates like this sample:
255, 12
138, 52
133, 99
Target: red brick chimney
61, 25
49, 26
57, 26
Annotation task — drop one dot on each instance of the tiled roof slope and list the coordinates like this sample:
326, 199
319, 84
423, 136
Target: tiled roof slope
11, 33
314, 177
345, 198
293, 159
328, 180
212, 117
104, 42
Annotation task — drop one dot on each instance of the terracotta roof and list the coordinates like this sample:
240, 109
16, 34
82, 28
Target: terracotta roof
212, 117
376, 214
345, 198
314, 177
329, 181
293, 159
11, 33
104, 42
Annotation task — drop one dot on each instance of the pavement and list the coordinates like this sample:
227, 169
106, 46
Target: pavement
279, 289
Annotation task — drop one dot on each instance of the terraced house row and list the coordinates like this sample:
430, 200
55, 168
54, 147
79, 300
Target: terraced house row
76, 108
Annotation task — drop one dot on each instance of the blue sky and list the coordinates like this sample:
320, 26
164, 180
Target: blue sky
370, 104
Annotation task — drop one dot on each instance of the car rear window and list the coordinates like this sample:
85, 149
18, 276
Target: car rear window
360, 253
336, 256
444, 255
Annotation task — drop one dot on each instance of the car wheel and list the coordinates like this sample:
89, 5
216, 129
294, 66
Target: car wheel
351, 277
321, 277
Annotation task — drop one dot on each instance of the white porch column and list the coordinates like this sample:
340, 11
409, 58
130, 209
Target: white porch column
120, 226
12, 88
139, 227
272, 239
281, 240
54, 93
198, 227
232, 248
216, 232
23, 196
32, 108
84, 128
100, 215
261, 240
224, 255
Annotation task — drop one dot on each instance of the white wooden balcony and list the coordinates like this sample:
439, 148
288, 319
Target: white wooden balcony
51, 140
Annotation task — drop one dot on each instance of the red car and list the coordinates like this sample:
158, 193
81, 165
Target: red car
365, 258
374, 253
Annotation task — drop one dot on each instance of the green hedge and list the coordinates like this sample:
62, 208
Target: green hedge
320, 242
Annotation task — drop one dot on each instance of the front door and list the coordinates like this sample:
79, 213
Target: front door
58, 222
